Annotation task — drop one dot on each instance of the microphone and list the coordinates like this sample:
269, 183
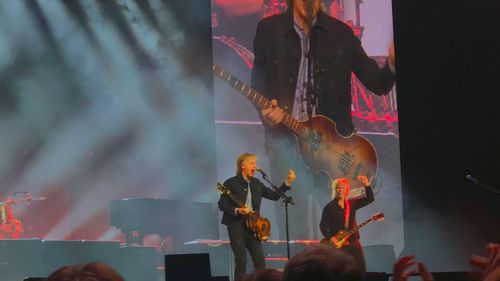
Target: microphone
261, 172
481, 184
471, 178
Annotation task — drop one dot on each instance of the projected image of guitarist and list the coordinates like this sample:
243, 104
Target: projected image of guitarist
340, 215
240, 203
304, 61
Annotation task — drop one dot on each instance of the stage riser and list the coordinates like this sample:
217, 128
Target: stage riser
38, 258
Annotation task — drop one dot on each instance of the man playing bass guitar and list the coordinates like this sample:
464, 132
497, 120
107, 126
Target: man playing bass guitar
340, 214
246, 189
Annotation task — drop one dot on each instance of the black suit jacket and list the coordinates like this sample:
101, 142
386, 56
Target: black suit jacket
336, 53
238, 187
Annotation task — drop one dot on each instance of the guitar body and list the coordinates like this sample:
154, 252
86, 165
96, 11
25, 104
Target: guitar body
339, 240
259, 225
336, 155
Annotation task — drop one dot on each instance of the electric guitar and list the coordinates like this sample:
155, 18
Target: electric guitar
320, 146
340, 239
260, 226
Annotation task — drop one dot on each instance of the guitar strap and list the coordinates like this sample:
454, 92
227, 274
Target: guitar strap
347, 211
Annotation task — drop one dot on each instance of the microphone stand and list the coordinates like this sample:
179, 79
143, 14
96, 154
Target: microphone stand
483, 185
286, 200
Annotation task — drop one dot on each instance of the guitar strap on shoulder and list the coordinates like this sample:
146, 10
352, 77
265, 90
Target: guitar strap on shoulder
347, 211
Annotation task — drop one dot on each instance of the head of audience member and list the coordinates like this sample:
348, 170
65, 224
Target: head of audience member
265, 274
322, 263
94, 271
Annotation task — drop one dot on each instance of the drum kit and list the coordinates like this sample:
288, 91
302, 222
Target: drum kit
11, 225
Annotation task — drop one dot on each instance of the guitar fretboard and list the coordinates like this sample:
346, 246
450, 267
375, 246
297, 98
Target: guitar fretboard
365, 223
377, 216
226, 191
259, 100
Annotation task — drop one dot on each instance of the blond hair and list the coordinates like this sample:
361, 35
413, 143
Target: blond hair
344, 181
241, 159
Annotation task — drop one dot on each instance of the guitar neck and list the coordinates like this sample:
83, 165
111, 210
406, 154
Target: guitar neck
238, 202
360, 226
227, 192
260, 101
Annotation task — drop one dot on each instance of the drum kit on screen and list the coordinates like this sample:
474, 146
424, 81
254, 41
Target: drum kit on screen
11, 225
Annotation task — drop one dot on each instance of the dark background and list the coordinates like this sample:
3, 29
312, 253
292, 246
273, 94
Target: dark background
448, 69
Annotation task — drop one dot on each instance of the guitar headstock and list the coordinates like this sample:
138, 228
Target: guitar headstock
378, 217
217, 69
222, 189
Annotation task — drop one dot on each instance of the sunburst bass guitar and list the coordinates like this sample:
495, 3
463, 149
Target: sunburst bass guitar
320, 146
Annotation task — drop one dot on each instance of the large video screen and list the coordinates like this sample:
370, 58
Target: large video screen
240, 129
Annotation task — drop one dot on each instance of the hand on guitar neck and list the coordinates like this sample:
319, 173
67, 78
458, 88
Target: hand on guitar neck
274, 114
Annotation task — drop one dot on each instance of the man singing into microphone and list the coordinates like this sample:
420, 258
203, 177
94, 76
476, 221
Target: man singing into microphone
245, 188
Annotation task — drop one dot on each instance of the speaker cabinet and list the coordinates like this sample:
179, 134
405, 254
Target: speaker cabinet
187, 267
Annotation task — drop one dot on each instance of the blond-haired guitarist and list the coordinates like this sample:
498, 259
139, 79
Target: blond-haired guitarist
340, 214
246, 193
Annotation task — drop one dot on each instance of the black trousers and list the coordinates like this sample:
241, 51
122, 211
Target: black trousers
241, 238
356, 251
